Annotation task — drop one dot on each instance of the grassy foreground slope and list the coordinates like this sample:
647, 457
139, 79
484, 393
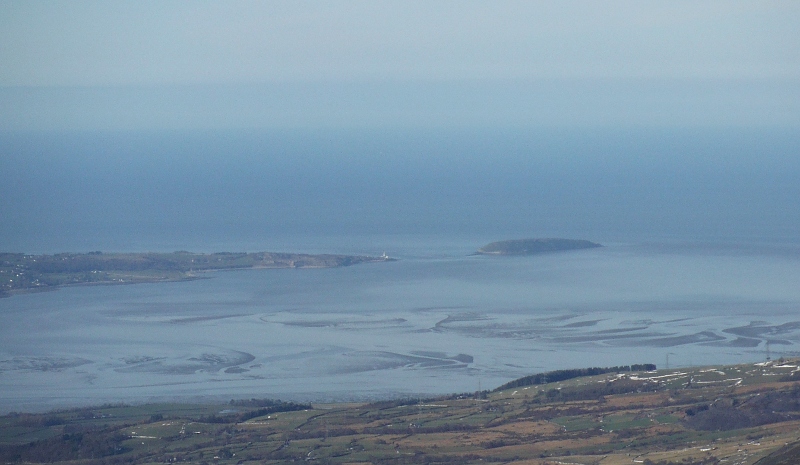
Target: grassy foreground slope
24, 272
733, 415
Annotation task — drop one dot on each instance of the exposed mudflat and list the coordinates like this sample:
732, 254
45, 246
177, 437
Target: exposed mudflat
416, 326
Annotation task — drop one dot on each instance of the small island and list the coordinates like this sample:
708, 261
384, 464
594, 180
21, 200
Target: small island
21, 272
534, 246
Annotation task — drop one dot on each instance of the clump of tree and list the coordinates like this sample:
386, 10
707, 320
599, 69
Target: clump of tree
402, 402
596, 391
38, 421
281, 407
727, 414
563, 375
68, 446
271, 406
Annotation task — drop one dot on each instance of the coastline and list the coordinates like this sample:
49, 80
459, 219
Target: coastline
40, 273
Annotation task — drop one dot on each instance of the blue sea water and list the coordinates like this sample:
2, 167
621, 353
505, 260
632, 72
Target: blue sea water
700, 265
204, 191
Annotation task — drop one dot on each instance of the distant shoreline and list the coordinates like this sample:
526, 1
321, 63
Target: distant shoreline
24, 273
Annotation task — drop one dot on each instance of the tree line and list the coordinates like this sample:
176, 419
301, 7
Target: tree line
563, 375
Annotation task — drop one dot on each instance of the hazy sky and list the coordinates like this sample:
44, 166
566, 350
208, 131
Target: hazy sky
169, 42
573, 117
139, 64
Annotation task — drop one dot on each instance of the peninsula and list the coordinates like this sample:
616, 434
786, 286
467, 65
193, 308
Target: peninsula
21, 272
534, 246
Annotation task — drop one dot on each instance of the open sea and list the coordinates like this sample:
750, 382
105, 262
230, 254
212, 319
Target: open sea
700, 264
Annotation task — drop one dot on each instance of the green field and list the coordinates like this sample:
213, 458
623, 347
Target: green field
714, 415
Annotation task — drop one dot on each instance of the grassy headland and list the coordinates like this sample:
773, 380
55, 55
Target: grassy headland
23, 272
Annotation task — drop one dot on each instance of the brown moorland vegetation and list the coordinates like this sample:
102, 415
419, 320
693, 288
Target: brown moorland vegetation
743, 414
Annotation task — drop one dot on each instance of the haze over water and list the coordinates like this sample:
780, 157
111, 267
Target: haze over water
239, 190
700, 264
667, 131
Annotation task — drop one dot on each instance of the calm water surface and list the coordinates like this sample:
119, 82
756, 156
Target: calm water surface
436, 321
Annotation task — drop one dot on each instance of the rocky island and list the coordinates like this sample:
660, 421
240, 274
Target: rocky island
534, 246
21, 272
